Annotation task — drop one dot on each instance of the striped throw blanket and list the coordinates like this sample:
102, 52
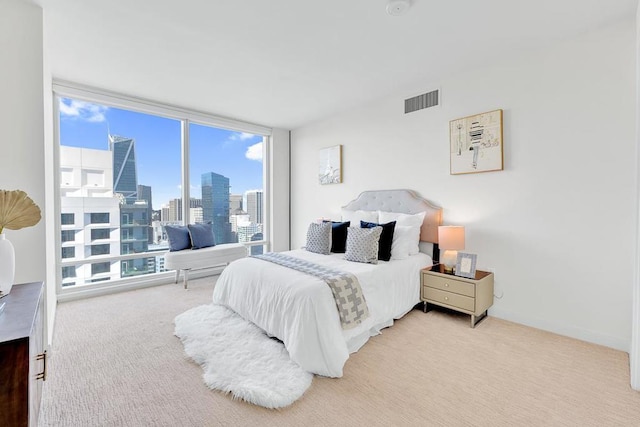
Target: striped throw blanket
345, 287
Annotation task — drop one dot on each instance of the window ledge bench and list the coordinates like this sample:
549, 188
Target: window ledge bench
193, 259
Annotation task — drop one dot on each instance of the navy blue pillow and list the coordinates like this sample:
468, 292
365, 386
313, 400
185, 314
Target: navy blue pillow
386, 238
339, 236
201, 235
178, 237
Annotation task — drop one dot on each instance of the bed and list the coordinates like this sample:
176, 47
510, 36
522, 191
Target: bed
300, 309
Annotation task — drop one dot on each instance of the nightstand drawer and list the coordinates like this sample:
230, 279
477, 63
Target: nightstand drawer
449, 298
450, 285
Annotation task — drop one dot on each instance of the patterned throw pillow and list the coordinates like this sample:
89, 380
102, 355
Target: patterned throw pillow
386, 238
319, 238
362, 244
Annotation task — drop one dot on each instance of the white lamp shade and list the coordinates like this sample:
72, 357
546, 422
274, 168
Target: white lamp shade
451, 237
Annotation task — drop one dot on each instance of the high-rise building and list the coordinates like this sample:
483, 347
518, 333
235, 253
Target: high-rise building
195, 215
247, 231
175, 209
125, 178
90, 219
144, 194
235, 204
135, 214
135, 227
215, 205
255, 206
165, 213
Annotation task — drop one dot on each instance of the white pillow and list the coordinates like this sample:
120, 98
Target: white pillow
403, 240
356, 216
405, 220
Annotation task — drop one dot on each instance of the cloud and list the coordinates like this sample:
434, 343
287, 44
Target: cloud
81, 110
254, 152
241, 136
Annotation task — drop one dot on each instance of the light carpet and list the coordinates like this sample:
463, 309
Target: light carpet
115, 362
239, 358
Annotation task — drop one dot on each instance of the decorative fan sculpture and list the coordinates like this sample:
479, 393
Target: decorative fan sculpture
17, 210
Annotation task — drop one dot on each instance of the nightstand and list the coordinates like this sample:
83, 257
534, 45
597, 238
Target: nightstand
470, 296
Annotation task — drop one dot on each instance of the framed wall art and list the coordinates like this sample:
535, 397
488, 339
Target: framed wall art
476, 143
330, 165
466, 265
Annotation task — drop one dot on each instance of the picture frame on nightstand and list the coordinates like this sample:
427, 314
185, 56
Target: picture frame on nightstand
466, 265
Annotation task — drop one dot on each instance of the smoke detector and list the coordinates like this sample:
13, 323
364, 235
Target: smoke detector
398, 7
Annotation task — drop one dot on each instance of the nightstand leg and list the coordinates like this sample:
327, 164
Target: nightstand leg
424, 307
475, 320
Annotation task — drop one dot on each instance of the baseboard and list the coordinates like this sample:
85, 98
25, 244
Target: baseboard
617, 343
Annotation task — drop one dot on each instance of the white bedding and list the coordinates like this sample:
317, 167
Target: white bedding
299, 309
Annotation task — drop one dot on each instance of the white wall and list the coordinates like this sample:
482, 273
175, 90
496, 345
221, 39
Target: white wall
22, 127
557, 224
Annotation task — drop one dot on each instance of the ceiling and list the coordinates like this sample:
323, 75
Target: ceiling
287, 63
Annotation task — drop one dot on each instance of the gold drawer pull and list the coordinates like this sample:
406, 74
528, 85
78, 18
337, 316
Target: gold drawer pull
42, 375
446, 298
446, 285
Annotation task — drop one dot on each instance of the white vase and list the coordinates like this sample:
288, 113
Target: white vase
7, 264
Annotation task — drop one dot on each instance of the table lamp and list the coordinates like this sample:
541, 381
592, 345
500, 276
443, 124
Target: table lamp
450, 239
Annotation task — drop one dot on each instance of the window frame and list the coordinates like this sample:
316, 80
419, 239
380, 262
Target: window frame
65, 89
71, 249
66, 232
94, 231
97, 249
66, 215
97, 216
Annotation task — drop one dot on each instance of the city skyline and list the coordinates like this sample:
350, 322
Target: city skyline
236, 155
113, 181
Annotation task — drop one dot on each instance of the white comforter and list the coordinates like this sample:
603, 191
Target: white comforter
300, 309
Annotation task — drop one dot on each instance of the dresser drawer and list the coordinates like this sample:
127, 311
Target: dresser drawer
449, 298
449, 285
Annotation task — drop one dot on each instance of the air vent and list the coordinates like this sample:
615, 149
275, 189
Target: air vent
426, 100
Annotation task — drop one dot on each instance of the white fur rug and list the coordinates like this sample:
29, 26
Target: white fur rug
239, 358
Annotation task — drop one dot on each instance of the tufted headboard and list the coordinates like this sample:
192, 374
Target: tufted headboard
401, 201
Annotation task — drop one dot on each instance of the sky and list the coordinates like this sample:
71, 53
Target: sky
236, 155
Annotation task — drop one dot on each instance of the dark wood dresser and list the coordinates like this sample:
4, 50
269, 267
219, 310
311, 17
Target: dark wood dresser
22, 356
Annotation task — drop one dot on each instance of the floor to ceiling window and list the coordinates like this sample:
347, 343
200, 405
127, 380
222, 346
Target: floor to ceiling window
121, 181
226, 171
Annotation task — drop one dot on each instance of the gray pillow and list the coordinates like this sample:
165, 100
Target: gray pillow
362, 244
319, 238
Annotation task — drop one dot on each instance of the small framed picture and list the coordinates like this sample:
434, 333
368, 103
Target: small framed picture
466, 265
330, 165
